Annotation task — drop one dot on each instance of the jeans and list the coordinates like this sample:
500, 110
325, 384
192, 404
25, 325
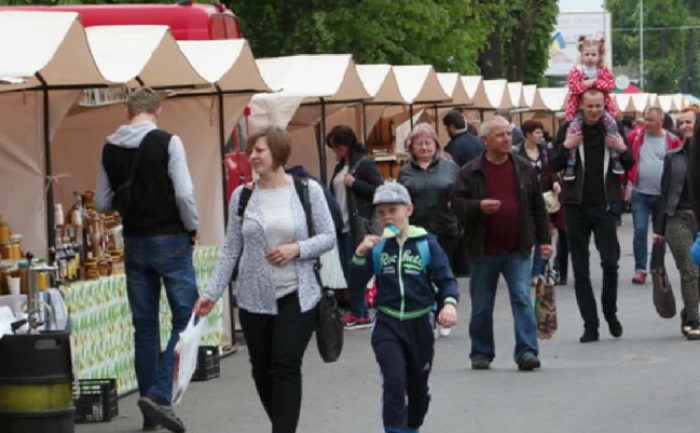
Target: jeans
644, 207
581, 221
148, 260
482, 289
276, 346
356, 288
538, 263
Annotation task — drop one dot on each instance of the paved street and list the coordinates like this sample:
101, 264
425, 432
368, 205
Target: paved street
642, 383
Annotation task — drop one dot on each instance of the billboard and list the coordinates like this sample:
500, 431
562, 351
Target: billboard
563, 52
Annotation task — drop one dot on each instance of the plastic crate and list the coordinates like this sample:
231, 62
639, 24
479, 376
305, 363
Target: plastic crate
96, 400
208, 366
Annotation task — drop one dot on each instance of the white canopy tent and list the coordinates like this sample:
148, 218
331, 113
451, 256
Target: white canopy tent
640, 102
498, 94
624, 102
667, 103
476, 90
311, 88
383, 88
515, 90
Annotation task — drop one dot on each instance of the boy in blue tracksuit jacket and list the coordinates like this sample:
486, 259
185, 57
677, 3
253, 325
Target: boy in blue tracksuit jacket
407, 262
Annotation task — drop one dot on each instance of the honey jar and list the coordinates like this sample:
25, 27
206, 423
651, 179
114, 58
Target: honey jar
16, 247
42, 281
88, 198
104, 266
91, 271
4, 233
117, 262
6, 251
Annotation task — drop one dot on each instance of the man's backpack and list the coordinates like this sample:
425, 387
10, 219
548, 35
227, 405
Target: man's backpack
423, 250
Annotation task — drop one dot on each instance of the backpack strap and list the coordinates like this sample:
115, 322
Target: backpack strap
377, 256
424, 251
302, 187
245, 198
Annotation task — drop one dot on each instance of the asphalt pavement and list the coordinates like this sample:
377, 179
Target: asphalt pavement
643, 382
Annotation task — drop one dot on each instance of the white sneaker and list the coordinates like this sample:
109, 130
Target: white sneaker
445, 332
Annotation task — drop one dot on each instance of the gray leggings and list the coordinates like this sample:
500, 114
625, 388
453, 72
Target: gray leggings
680, 234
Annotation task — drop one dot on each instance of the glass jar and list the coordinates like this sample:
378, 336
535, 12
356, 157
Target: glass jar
23, 278
6, 251
117, 262
6, 267
91, 271
104, 266
4, 233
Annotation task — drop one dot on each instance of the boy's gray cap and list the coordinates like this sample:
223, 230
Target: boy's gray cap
392, 193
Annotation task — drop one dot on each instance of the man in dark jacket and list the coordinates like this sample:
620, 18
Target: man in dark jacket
463, 146
589, 202
497, 196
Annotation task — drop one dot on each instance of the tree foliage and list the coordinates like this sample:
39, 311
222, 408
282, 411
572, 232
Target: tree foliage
669, 51
496, 38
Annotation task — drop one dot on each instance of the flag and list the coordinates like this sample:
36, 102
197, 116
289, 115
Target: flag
558, 42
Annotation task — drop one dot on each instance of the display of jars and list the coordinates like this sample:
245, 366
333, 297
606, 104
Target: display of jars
91, 270
4, 232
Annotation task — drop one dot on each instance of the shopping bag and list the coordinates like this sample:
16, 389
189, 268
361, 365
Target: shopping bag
664, 301
545, 304
186, 352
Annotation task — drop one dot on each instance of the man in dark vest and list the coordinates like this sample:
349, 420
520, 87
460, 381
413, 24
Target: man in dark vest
144, 175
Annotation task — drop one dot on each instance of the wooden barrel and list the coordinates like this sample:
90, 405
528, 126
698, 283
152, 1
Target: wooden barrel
36, 384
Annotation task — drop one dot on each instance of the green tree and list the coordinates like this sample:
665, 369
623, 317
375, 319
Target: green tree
669, 51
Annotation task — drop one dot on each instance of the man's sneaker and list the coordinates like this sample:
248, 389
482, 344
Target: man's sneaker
570, 173
163, 413
150, 426
529, 362
352, 322
693, 333
590, 334
615, 327
617, 167
481, 362
640, 277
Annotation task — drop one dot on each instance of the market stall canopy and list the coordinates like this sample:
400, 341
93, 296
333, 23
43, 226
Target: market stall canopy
529, 93
640, 101
551, 99
419, 84
498, 94
474, 85
45, 48
228, 63
678, 101
380, 82
624, 102
454, 87
127, 54
516, 95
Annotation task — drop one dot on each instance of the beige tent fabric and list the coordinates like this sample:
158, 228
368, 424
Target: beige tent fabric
498, 94
453, 86
516, 95
640, 102
624, 102
474, 86
551, 99
380, 82
52, 44
668, 103
228, 63
419, 84
22, 183
529, 93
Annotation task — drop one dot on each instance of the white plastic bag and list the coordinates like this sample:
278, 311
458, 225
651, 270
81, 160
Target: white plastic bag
186, 352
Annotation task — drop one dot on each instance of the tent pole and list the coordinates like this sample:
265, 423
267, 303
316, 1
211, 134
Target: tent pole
222, 151
437, 124
48, 170
364, 123
321, 143
410, 113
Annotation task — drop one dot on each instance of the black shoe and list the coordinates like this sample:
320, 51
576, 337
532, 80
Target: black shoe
162, 413
151, 426
529, 362
615, 327
617, 167
562, 281
590, 335
481, 362
685, 326
570, 172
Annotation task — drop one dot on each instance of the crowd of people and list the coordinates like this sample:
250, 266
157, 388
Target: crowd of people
488, 204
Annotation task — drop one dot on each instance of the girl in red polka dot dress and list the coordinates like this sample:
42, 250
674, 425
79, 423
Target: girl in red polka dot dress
591, 73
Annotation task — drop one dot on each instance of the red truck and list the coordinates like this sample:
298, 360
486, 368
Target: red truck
187, 21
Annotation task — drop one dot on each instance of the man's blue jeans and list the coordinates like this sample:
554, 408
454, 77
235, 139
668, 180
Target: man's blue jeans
356, 289
148, 260
483, 281
644, 208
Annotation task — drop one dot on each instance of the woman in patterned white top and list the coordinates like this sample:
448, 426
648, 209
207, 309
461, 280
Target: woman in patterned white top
277, 290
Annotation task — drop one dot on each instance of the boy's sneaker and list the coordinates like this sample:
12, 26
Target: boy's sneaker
352, 322
570, 173
617, 167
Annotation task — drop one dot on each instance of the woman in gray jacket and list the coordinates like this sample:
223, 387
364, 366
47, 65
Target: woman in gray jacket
428, 176
276, 287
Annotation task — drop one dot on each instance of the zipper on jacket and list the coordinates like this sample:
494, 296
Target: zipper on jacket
401, 286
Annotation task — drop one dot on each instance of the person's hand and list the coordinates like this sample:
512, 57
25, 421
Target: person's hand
556, 188
448, 316
348, 180
366, 245
658, 239
203, 307
572, 141
546, 251
490, 206
589, 82
615, 142
283, 254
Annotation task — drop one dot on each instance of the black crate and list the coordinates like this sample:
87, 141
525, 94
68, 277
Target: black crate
96, 400
207, 363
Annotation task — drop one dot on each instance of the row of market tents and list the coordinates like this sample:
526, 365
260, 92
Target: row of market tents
62, 89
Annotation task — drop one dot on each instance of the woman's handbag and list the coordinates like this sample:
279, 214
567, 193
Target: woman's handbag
329, 324
664, 301
551, 202
546, 304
